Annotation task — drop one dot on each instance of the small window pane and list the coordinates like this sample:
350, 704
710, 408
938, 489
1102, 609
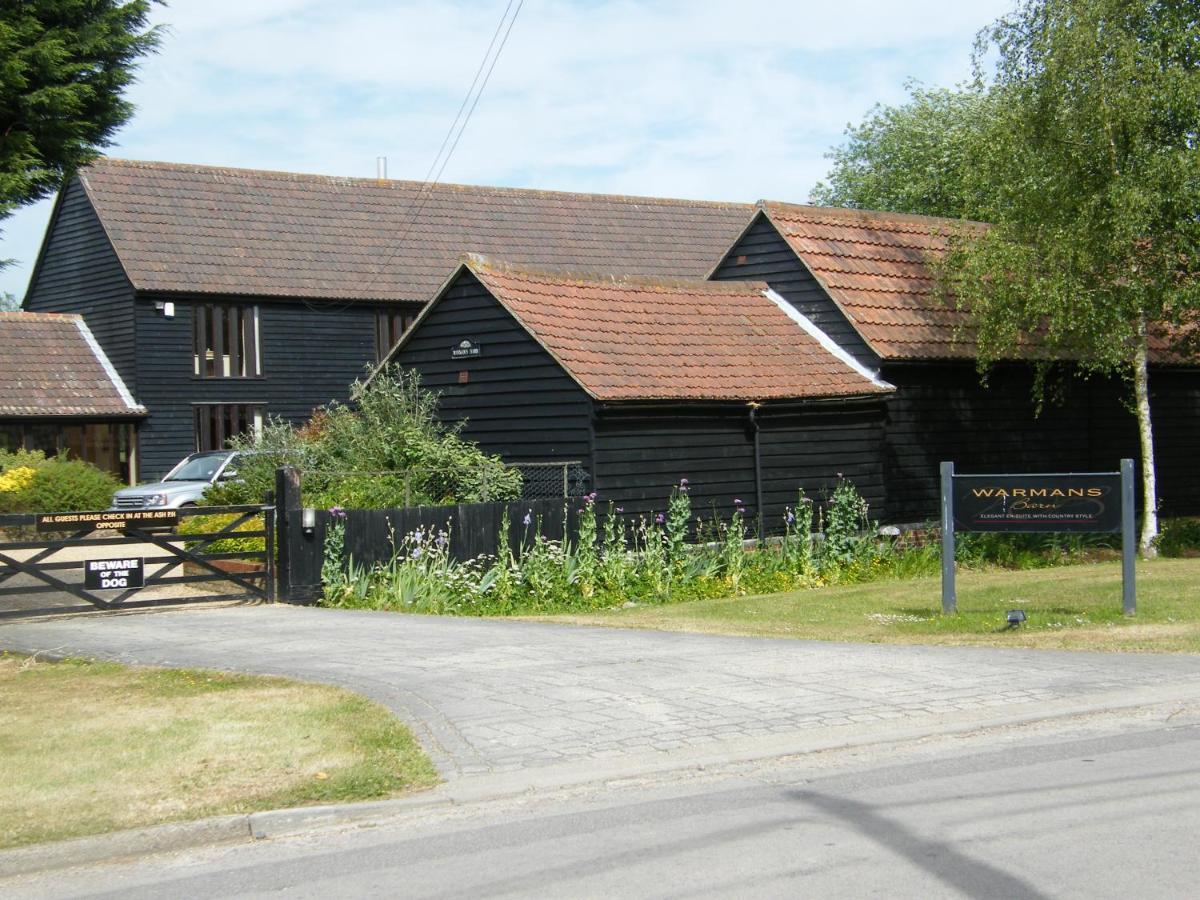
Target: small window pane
225, 341
216, 423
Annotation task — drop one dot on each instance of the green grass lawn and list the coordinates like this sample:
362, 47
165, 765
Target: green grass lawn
1074, 607
91, 747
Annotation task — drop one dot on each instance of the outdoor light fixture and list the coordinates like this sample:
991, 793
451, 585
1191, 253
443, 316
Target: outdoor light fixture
1015, 617
308, 519
166, 307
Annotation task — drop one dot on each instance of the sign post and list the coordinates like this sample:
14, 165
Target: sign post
949, 593
1070, 502
1128, 541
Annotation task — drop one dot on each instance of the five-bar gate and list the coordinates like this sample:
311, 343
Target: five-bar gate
68, 562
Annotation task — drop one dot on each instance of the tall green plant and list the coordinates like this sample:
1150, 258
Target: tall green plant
387, 449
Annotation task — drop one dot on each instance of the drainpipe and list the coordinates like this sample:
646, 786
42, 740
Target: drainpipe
758, 491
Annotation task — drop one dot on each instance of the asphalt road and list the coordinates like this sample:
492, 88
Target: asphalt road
509, 700
1095, 808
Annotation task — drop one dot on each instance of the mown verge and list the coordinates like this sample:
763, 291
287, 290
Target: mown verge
1076, 607
91, 747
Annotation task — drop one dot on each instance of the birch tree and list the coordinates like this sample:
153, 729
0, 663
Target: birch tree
1088, 168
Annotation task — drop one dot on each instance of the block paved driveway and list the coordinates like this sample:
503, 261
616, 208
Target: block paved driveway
489, 697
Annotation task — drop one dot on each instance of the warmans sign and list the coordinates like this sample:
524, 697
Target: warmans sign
1070, 502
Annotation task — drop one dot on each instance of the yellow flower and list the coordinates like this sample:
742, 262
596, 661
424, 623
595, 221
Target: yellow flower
16, 479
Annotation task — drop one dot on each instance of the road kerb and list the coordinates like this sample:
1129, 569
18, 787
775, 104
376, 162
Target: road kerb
468, 790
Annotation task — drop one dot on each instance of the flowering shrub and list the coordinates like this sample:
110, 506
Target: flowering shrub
613, 562
32, 482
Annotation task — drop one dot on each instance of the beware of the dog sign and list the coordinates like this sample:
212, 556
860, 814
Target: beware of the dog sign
113, 574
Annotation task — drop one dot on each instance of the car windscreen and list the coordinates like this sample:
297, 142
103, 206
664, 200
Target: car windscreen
201, 467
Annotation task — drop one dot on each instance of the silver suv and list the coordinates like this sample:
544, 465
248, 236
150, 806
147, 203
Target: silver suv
183, 485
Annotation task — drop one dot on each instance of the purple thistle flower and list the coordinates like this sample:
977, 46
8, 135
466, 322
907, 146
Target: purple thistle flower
337, 512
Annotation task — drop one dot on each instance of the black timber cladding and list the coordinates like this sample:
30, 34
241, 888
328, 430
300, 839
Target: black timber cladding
521, 404
78, 272
311, 353
943, 412
517, 400
762, 254
643, 450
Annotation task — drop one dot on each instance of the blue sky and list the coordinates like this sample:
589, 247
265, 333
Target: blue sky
697, 99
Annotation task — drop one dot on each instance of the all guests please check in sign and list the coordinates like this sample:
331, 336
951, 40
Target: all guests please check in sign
107, 521
1071, 502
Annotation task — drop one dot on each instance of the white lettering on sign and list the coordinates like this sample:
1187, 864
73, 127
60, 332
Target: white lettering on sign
113, 574
102, 565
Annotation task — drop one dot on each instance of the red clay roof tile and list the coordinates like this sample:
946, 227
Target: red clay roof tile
53, 367
214, 230
685, 340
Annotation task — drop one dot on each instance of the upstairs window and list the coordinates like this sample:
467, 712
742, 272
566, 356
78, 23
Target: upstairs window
216, 423
389, 325
226, 341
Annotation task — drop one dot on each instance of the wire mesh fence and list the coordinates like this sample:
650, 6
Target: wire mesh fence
550, 480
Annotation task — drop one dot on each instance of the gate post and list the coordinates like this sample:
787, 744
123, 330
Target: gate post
288, 538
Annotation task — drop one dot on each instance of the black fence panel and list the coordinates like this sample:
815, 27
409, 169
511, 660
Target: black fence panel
472, 529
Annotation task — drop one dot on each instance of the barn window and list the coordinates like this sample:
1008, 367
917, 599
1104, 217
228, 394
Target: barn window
389, 325
216, 423
225, 341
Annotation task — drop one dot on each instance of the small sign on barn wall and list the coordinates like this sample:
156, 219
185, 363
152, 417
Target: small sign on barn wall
464, 349
113, 574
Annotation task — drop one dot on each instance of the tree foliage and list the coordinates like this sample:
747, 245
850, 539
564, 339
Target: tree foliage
911, 158
1089, 169
64, 68
388, 449
1093, 179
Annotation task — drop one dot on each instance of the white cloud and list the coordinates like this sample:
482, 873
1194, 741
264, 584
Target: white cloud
701, 99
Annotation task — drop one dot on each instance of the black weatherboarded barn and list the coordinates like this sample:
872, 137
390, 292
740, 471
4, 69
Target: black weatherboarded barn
224, 296
865, 279
645, 382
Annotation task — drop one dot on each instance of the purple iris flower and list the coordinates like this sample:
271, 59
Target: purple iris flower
528, 520
660, 519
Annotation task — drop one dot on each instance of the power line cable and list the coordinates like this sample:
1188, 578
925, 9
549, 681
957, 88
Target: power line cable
425, 189
425, 192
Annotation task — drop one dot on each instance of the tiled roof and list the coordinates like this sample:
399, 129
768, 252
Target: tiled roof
682, 340
216, 230
52, 366
875, 267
